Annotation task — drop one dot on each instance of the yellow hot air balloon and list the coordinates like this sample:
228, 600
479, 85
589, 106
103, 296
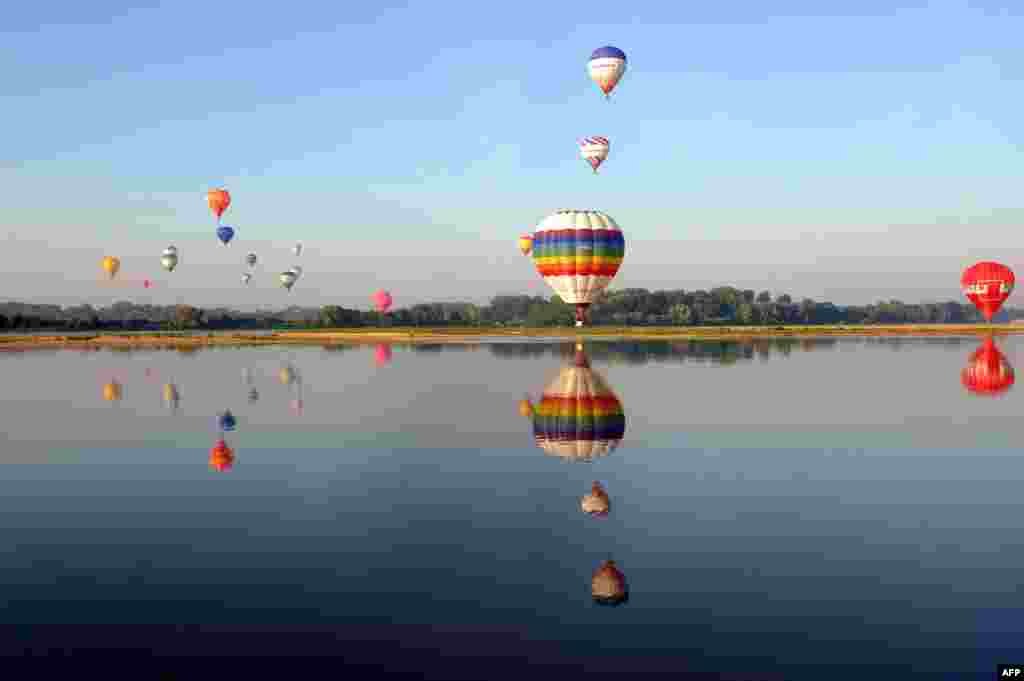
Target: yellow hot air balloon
111, 265
526, 244
112, 392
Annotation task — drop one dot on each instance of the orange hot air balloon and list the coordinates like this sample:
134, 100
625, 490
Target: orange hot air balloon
526, 244
987, 372
222, 457
525, 408
219, 200
987, 284
111, 265
608, 585
112, 392
596, 503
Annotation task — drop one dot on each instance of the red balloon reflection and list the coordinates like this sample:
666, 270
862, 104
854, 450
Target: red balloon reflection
987, 372
382, 355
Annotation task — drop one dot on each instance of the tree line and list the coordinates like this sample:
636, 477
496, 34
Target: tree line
725, 306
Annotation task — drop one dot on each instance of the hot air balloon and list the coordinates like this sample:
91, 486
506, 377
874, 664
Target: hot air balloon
579, 417
525, 408
578, 253
146, 283
288, 279
171, 395
110, 265
594, 150
254, 395
987, 372
219, 200
222, 457
987, 285
246, 277
112, 391
608, 585
596, 503
382, 300
250, 260
297, 270
226, 422
606, 66
525, 244
225, 234
169, 258
382, 354
297, 249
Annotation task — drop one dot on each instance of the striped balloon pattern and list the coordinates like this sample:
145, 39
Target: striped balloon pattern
594, 151
579, 417
578, 253
606, 66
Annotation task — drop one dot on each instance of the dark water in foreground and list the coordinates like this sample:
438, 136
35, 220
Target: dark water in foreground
842, 508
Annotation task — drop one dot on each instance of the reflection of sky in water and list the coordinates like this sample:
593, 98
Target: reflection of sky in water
850, 495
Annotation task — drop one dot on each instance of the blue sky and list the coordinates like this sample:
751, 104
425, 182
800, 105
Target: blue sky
864, 153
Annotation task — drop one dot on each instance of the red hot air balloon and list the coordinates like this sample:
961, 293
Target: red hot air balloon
222, 457
219, 200
987, 372
382, 299
382, 355
987, 285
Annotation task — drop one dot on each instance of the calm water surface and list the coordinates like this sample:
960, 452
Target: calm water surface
779, 509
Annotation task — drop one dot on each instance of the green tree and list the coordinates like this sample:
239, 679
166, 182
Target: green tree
745, 313
681, 314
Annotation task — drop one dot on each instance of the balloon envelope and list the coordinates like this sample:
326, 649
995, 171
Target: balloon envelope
297, 248
578, 417
169, 259
287, 279
246, 277
594, 150
526, 244
222, 457
987, 372
250, 260
578, 252
219, 200
606, 66
608, 585
382, 300
227, 422
987, 284
225, 234
110, 265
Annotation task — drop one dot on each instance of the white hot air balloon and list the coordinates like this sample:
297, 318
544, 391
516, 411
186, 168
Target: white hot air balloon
606, 66
288, 279
594, 150
250, 260
245, 278
297, 270
169, 258
297, 249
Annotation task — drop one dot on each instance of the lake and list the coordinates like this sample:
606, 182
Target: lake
834, 508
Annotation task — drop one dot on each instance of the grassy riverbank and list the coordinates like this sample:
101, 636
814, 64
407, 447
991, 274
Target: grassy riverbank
464, 334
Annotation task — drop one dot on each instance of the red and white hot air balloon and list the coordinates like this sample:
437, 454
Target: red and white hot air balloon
594, 150
987, 284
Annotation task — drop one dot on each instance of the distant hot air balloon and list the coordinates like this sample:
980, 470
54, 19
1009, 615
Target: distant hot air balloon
246, 277
578, 253
225, 234
987, 285
226, 422
525, 244
254, 395
594, 151
382, 354
111, 265
288, 279
297, 270
579, 417
171, 395
987, 372
146, 283
222, 457
250, 260
525, 408
382, 300
596, 503
297, 249
608, 585
112, 392
606, 66
219, 200
169, 258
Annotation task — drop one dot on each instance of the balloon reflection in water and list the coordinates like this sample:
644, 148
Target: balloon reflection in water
112, 391
608, 585
171, 396
579, 417
254, 395
222, 457
287, 375
987, 372
382, 355
596, 503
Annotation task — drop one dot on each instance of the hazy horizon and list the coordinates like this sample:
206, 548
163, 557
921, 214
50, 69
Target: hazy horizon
763, 148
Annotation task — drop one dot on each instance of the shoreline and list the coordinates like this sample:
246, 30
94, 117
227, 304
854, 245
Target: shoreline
472, 334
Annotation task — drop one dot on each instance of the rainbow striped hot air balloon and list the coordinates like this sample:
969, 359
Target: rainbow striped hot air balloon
578, 417
578, 253
594, 150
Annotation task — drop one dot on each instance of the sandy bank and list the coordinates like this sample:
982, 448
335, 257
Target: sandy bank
470, 334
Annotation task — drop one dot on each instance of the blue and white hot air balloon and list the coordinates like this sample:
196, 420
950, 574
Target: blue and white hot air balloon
606, 66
